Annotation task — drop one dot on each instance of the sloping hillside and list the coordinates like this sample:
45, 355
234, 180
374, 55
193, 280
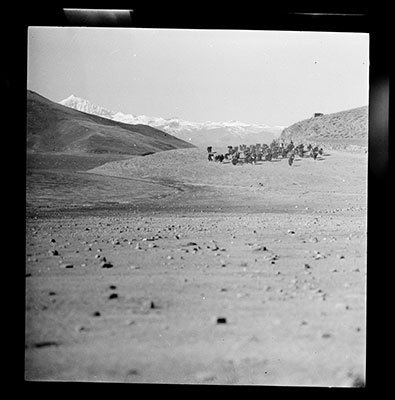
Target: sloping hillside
342, 130
52, 127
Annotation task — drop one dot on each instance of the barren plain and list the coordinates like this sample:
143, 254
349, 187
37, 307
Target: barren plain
168, 268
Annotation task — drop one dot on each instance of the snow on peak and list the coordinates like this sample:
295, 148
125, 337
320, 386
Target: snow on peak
72, 98
86, 106
186, 130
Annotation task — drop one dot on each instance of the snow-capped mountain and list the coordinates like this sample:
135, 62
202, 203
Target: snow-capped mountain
197, 133
86, 106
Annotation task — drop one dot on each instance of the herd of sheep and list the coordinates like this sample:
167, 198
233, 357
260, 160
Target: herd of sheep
263, 152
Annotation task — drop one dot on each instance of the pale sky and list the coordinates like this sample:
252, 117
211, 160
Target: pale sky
264, 77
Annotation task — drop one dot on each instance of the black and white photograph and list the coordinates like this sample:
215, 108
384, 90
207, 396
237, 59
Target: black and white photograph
196, 206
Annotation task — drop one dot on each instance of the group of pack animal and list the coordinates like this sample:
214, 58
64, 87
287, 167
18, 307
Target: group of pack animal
263, 152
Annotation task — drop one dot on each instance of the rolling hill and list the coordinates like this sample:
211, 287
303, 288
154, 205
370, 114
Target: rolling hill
342, 130
54, 128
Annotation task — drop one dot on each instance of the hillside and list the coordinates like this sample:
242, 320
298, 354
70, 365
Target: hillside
342, 130
52, 127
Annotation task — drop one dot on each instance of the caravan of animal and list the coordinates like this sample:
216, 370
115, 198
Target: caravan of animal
277, 149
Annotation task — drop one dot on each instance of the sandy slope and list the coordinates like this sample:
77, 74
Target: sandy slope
278, 251
336, 177
342, 130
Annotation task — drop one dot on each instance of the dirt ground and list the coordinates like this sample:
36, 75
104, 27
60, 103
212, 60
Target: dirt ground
213, 273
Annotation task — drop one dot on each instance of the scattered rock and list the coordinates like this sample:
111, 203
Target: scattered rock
53, 252
81, 328
66, 265
112, 287
47, 343
113, 296
107, 265
96, 314
221, 320
260, 248
307, 266
152, 305
318, 255
272, 257
326, 335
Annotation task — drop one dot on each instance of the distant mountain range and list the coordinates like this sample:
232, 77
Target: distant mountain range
52, 127
77, 125
341, 130
198, 133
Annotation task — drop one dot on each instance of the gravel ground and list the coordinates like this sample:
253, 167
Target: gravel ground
196, 272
